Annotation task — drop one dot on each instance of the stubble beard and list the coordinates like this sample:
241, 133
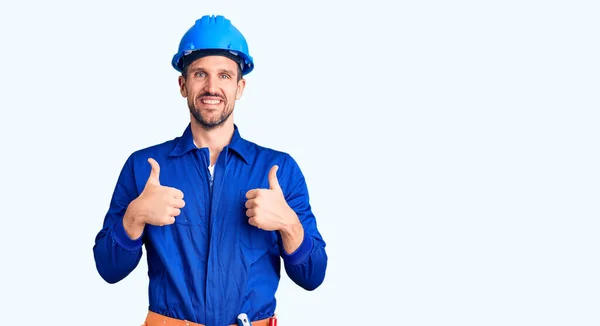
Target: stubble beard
211, 123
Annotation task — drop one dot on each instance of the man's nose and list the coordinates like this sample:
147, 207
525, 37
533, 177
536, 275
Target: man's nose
211, 85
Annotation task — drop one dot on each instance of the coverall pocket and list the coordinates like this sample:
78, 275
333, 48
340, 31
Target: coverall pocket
255, 238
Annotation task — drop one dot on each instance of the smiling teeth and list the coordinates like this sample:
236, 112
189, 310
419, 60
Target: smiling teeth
211, 101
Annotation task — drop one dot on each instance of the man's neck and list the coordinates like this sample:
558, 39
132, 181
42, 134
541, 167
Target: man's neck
215, 139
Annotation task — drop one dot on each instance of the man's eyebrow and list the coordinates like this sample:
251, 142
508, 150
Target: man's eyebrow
227, 71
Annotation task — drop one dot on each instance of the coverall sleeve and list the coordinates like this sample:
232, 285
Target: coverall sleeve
116, 255
307, 265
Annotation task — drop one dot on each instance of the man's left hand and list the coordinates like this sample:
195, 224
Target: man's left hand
267, 209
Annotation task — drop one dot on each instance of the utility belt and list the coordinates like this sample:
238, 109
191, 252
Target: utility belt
154, 319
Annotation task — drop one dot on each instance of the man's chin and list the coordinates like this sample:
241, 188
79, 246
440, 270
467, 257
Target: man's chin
210, 124
209, 121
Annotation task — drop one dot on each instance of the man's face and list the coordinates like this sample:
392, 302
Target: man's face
211, 87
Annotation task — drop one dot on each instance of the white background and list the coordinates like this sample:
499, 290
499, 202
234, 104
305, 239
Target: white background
450, 148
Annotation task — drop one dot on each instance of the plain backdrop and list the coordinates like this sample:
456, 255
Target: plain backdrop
450, 149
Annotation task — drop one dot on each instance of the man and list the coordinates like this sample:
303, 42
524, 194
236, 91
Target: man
216, 213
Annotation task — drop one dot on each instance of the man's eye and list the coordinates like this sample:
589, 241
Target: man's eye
225, 76
200, 74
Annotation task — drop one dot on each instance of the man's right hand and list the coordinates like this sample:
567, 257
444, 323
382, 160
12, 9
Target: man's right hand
157, 205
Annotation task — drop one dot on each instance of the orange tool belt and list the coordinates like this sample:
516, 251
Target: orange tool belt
154, 319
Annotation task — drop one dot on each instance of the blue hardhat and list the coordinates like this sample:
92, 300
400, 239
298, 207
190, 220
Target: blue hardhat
214, 33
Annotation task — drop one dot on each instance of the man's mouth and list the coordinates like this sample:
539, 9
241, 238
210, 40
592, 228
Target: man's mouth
211, 100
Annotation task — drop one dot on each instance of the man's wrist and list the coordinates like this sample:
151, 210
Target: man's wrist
133, 221
298, 251
292, 234
293, 230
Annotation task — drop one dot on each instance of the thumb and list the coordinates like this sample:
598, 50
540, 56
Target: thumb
273, 182
155, 173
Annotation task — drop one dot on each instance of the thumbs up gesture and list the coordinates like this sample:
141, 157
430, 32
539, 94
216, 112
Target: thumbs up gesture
156, 205
267, 208
159, 205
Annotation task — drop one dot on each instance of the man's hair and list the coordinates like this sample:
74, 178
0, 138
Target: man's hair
188, 59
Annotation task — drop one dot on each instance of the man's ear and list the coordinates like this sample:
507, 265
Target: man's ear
182, 88
240, 90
